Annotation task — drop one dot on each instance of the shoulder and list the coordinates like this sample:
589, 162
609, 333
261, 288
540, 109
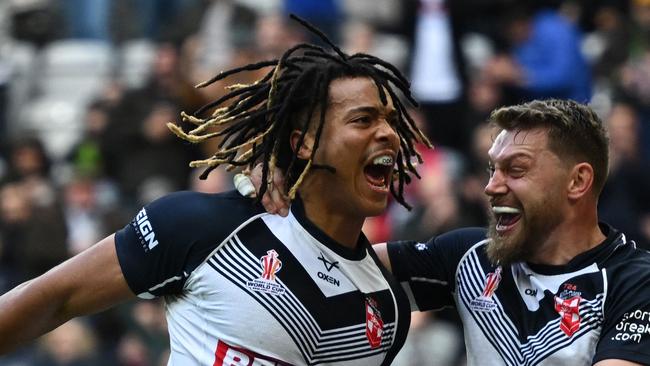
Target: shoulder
186, 206
466, 237
628, 278
629, 264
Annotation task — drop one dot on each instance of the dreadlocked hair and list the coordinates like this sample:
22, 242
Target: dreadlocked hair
254, 121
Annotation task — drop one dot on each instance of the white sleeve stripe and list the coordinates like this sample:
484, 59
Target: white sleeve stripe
410, 296
165, 282
429, 280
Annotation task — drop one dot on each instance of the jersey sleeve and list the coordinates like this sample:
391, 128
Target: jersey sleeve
626, 326
168, 238
427, 270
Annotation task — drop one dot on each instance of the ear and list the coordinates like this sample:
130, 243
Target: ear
581, 180
305, 150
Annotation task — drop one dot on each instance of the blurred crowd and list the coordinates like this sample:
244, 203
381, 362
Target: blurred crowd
86, 88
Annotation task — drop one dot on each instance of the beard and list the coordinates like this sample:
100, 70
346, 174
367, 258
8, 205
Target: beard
526, 239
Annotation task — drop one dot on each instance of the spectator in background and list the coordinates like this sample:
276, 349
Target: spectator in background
545, 60
426, 331
87, 19
159, 163
72, 344
27, 252
625, 201
635, 72
37, 22
29, 165
326, 15
224, 28
136, 127
438, 72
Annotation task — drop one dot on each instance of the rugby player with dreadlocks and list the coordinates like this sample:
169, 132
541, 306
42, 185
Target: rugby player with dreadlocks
242, 286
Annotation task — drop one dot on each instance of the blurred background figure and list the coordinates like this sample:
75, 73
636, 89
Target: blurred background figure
86, 88
626, 199
438, 73
544, 58
72, 344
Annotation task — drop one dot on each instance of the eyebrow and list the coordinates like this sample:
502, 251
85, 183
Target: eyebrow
512, 157
392, 113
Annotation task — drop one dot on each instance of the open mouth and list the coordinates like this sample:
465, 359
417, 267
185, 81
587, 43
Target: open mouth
379, 171
507, 218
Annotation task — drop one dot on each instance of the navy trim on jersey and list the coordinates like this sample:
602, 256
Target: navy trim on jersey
180, 221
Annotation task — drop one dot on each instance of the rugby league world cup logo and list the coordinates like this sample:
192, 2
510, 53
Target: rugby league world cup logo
271, 264
485, 302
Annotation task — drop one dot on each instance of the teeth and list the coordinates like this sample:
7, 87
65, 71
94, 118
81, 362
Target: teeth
383, 160
505, 210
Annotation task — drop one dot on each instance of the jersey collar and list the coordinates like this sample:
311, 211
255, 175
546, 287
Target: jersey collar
298, 211
598, 254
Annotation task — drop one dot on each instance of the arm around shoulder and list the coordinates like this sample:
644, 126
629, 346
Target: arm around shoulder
87, 283
616, 363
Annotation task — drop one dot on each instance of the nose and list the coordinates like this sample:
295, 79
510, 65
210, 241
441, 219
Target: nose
386, 132
497, 184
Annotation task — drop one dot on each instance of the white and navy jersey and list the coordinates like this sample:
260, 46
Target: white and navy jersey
594, 308
243, 287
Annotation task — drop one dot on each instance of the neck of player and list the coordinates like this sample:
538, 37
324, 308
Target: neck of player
331, 217
578, 233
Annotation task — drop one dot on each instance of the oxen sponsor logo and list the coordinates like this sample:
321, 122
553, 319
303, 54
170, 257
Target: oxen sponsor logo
328, 278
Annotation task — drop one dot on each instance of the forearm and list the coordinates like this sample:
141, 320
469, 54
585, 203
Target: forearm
87, 283
26, 312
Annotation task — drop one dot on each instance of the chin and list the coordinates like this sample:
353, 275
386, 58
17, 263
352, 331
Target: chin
506, 249
375, 208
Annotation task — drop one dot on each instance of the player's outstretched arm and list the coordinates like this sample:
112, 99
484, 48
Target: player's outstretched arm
85, 284
616, 363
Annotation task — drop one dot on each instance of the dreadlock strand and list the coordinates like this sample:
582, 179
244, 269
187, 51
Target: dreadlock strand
322, 96
319, 34
253, 140
191, 119
377, 61
402, 87
326, 56
234, 93
225, 74
297, 85
405, 116
400, 190
190, 138
294, 188
230, 118
306, 125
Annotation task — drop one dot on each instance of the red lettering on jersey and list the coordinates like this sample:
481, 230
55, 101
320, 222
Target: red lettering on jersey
226, 355
570, 287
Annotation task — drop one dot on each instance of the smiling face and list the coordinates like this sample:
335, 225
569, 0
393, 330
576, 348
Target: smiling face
359, 142
527, 191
